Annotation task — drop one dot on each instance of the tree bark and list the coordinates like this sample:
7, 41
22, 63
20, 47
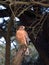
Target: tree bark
17, 60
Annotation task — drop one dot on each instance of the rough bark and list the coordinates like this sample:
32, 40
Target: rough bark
17, 60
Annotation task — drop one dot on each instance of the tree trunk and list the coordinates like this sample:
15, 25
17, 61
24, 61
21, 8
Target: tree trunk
17, 60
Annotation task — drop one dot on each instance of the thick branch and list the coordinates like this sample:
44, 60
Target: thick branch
26, 3
33, 2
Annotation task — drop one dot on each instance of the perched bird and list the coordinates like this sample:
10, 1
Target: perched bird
22, 37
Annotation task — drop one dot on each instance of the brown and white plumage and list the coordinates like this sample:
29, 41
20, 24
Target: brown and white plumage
22, 37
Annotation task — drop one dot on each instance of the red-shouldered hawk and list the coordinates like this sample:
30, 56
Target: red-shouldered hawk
22, 36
